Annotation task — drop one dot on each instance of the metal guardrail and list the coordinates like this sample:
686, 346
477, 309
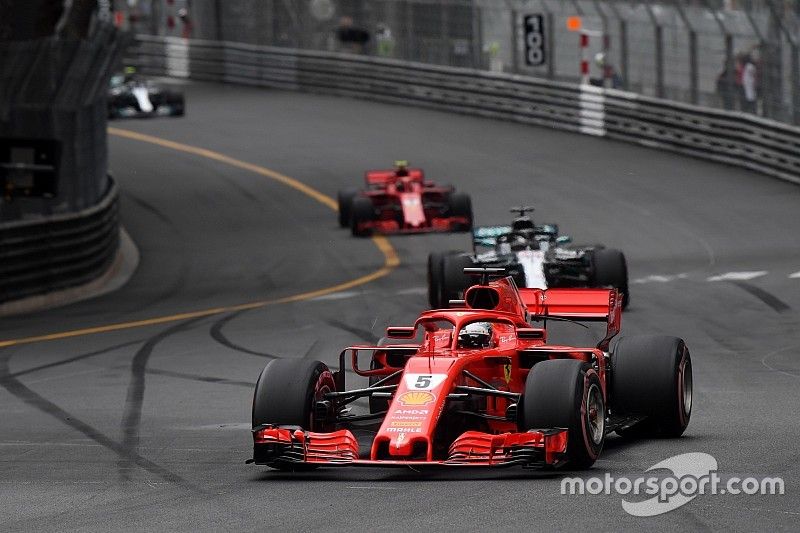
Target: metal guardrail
60, 251
735, 138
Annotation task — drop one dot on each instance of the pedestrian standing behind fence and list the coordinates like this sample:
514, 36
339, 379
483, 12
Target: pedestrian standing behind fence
726, 88
351, 38
385, 40
749, 85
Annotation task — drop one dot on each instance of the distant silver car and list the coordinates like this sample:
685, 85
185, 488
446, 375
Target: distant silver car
130, 95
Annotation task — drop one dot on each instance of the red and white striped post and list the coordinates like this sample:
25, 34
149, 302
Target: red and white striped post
584, 57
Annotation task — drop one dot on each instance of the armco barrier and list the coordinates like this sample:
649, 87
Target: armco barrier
60, 251
730, 137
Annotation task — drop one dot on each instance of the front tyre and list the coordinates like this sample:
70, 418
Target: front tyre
287, 392
652, 379
566, 393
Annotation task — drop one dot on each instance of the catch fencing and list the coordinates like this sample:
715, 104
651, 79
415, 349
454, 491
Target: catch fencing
731, 137
58, 214
691, 51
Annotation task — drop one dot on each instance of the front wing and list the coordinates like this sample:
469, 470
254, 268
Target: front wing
285, 447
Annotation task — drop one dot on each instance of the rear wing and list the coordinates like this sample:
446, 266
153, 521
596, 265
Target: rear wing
582, 305
381, 177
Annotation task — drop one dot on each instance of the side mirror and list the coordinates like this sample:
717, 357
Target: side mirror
563, 239
401, 332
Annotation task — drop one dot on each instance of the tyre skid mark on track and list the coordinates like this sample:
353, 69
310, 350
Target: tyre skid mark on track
150, 208
75, 358
19, 390
132, 415
218, 335
363, 334
203, 379
768, 298
391, 259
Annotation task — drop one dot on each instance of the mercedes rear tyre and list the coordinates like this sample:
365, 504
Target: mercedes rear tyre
435, 279
611, 270
566, 393
651, 379
460, 205
179, 107
362, 213
454, 280
345, 201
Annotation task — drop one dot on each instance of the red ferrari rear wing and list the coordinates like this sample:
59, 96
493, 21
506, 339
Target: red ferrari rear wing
590, 305
380, 177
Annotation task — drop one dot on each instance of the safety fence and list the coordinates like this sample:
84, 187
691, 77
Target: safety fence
60, 251
729, 54
58, 207
731, 137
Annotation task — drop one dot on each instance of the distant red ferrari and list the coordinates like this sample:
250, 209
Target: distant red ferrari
401, 200
478, 385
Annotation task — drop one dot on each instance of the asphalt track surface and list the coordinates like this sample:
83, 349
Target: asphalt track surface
147, 428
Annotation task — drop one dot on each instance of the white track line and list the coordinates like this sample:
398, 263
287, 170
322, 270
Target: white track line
738, 276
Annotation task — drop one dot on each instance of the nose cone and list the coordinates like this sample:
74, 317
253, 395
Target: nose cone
407, 430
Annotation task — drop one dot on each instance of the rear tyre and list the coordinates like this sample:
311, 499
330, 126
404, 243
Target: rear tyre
460, 205
286, 394
345, 200
454, 281
180, 107
362, 212
611, 270
652, 378
566, 393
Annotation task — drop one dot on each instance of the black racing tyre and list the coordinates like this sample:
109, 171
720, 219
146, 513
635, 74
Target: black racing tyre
345, 200
454, 281
435, 279
611, 270
566, 393
287, 391
651, 377
179, 107
362, 211
460, 205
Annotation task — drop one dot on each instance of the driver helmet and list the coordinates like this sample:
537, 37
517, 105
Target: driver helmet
401, 168
475, 335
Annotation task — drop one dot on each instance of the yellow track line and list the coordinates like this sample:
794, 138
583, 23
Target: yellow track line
391, 259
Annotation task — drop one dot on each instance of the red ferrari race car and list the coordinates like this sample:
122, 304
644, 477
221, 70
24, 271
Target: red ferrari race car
478, 385
401, 200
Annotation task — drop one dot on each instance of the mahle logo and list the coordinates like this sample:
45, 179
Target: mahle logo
690, 475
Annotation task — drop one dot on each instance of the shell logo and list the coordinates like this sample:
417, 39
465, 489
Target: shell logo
416, 398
